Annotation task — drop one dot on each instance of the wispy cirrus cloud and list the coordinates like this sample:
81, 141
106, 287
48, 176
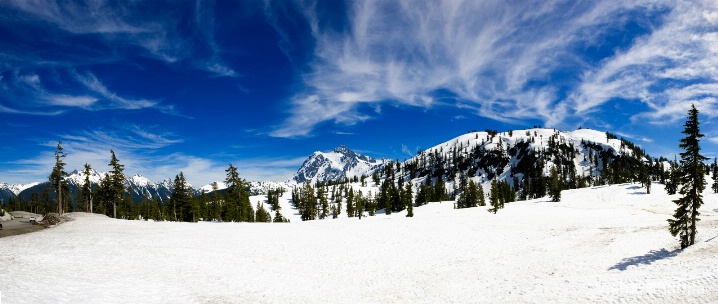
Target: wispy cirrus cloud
121, 23
28, 90
667, 70
507, 62
109, 32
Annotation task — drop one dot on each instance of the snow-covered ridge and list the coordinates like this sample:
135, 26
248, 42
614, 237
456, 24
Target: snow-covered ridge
537, 139
16, 188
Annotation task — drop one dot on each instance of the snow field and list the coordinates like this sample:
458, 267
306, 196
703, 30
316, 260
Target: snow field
602, 244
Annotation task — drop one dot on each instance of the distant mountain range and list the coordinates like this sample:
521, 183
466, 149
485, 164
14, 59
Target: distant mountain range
483, 155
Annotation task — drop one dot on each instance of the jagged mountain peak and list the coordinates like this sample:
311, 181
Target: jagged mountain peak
342, 149
335, 165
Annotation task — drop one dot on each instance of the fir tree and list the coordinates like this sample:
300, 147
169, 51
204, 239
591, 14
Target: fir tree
323, 203
715, 176
180, 200
407, 199
359, 204
87, 188
57, 177
480, 195
494, 197
350, 203
237, 205
554, 189
672, 182
308, 203
262, 216
116, 184
645, 178
692, 183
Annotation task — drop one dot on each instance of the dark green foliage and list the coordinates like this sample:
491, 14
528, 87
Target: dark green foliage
57, 178
672, 181
494, 198
86, 190
181, 200
360, 204
554, 189
323, 203
236, 199
407, 199
307, 203
714, 187
470, 197
351, 211
692, 182
261, 215
115, 184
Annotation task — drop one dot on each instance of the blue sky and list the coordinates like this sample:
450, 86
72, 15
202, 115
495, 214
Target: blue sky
191, 86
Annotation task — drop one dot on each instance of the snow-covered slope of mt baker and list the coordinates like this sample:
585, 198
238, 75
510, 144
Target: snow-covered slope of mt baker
336, 165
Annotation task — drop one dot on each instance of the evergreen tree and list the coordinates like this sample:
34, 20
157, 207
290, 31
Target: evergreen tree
86, 189
645, 178
57, 177
262, 216
715, 176
407, 199
554, 189
181, 200
494, 197
308, 203
350, 203
323, 203
480, 195
237, 205
692, 183
116, 183
360, 203
672, 182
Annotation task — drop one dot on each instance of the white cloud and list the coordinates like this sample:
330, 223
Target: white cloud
488, 53
406, 150
672, 67
93, 84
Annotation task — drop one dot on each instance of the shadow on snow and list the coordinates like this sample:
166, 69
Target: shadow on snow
646, 259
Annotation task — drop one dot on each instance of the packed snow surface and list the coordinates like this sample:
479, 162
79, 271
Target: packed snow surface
602, 244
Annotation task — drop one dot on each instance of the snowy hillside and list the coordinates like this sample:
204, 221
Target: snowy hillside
336, 165
511, 144
600, 244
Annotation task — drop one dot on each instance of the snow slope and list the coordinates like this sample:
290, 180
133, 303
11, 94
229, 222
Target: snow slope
603, 244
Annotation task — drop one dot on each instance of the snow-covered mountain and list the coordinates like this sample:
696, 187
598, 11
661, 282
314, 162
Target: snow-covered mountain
137, 185
255, 188
336, 165
13, 190
486, 154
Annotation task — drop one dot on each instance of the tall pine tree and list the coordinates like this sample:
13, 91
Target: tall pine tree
715, 176
87, 188
116, 183
554, 189
57, 177
692, 182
